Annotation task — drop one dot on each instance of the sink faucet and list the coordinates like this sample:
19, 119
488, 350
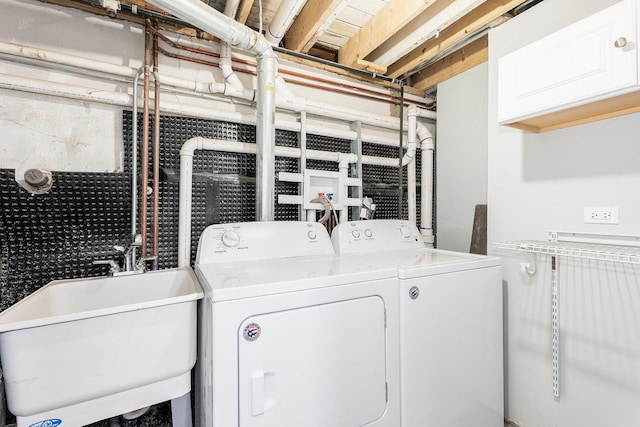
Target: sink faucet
131, 264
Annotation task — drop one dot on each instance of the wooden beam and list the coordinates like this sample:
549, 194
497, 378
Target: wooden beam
423, 27
370, 66
145, 5
391, 18
98, 10
323, 53
309, 20
476, 19
473, 54
243, 11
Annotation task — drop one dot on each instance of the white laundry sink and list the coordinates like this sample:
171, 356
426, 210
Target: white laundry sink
82, 350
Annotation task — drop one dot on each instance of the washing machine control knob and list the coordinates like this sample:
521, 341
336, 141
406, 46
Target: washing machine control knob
368, 232
230, 239
405, 231
312, 235
355, 233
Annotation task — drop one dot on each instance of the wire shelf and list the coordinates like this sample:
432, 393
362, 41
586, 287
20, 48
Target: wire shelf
600, 252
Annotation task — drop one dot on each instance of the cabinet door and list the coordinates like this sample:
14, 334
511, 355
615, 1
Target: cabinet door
593, 59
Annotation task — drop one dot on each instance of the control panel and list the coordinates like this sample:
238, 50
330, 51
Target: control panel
375, 235
247, 241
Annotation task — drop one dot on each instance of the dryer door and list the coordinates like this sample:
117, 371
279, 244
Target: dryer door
316, 366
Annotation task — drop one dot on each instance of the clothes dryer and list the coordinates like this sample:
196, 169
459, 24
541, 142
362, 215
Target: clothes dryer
451, 338
292, 335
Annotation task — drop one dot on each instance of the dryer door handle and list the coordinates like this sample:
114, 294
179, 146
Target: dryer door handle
257, 393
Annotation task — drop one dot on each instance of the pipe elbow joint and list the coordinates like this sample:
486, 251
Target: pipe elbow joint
190, 146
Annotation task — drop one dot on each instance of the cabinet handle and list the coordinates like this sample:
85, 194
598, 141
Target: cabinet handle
621, 42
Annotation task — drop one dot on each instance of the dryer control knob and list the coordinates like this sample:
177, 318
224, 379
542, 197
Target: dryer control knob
368, 232
355, 233
312, 235
230, 239
405, 231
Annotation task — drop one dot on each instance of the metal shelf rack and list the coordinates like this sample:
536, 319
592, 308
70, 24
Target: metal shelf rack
600, 247
595, 251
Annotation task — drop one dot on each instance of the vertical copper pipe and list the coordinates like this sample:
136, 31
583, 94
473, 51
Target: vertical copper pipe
156, 153
145, 141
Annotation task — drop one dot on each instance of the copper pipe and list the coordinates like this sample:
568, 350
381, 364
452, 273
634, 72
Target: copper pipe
145, 141
378, 98
156, 154
392, 99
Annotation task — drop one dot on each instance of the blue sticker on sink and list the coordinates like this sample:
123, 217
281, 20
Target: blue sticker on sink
47, 423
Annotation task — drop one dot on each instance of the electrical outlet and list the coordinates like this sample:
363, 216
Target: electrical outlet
601, 215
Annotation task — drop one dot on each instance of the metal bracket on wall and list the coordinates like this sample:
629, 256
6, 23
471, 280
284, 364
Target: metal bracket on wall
555, 330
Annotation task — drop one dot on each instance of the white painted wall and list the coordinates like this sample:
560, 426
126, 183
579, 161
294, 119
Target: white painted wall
68, 135
461, 156
541, 182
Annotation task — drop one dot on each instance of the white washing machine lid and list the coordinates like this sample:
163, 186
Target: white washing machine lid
246, 279
426, 262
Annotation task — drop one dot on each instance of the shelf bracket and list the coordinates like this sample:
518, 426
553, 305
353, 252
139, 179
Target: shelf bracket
555, 329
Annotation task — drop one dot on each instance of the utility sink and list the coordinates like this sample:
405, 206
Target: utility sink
82, 350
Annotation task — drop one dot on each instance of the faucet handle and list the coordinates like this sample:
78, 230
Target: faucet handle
140, 262
136, 240
114, 267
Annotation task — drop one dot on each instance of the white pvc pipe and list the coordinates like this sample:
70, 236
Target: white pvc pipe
282, 20
44, 87
408, 160
343, 169
186, 177
230, 77
210, 20
66, 59
134, 156
230, 31
266, 137
88, 94
427, 147
285, 100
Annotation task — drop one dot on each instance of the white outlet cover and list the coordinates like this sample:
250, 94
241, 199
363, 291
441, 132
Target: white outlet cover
601, 215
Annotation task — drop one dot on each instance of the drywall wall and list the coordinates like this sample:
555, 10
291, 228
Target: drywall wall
461, 156
542, 182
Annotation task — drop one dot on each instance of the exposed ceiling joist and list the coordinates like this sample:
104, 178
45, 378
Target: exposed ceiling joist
312, 17
473, 21
243, 10
395, 15
374, 40
423, 27
475, 53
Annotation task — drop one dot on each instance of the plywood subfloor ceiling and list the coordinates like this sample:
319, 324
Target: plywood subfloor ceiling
418, 42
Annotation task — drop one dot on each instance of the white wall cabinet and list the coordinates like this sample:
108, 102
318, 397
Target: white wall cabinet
584, 72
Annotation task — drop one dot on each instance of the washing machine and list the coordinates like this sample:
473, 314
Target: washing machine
451, 337
291, 335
